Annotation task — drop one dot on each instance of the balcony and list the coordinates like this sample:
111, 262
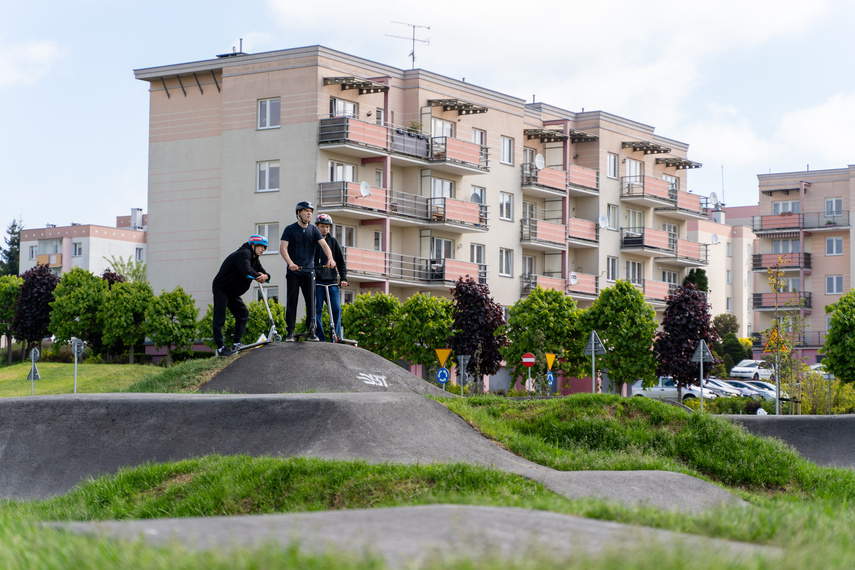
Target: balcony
805, 339
530, 282
684, 206
655, 290
582, 181
787, 261
552, 182
685, 253
49, 259
645, 241
454, 215
542, 235
352, 136
789, 221
582, 233
367, 265
791, 301
583, 286
645, 191
458, 157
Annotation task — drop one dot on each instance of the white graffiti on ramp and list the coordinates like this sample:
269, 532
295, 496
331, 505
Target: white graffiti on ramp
373, 379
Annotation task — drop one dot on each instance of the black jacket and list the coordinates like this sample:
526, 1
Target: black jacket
232, 278
327, 274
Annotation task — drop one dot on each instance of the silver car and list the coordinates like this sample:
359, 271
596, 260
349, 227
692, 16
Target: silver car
751, 391
666, 389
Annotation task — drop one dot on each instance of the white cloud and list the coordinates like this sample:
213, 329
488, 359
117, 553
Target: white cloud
821, 135
26, 63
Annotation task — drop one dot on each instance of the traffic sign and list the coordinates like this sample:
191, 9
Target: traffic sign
702, 353
774, 343
528, 360
550, 378
594, 346
550, 358
442, 354
442, 375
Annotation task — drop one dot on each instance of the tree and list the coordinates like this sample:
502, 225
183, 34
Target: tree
10, 286
731, 346
697, 276
546, 321
840, 339
257, 323
626, 325
131, 269
74, 311
725, 324
9, 257
476, 329
424, 323
32, 313
123, 315
171, 321
111, 277
686, 323
371, 320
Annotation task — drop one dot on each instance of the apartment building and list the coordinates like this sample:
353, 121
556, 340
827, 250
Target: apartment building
803, 228
84, 245
427, 178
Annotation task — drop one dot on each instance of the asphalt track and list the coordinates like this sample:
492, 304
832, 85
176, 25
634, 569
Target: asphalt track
315, 400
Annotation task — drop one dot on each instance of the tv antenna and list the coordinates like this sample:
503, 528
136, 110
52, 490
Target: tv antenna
414, 40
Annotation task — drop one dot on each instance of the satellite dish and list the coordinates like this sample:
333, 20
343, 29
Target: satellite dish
365, 188
713, 199
539, 163
604, 221
715, 239
573, 279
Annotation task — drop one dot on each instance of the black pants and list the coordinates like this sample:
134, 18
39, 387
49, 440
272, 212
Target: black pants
297, 282
223, 301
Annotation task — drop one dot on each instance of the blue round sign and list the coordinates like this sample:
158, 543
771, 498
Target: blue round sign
550, 378
442, 375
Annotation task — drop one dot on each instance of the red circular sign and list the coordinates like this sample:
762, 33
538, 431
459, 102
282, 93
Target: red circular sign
528, 359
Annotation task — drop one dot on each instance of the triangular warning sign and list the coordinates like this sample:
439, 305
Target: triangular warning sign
34, 373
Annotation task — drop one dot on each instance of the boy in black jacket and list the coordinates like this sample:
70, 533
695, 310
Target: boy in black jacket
232, 281
328, 275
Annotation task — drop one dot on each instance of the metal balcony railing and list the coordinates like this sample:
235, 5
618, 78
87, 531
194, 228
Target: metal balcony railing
789, 301
541, 231
787, 261
417, 270
530, 281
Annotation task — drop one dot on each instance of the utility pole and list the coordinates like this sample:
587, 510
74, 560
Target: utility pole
414, 40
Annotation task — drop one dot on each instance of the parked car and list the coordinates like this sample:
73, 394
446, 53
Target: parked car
666, 389
754, 369
724, 390
770, 387
755, 390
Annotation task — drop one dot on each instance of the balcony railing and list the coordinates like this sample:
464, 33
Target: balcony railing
657, 290
583, 230
543, 232
645, 238
787, 261
461, 152
49, 259
351, 130
583, 178
692, 251
583, 284
530, 282
578, 178
795, 221
645, 187
417, 270
807, 339
785, 301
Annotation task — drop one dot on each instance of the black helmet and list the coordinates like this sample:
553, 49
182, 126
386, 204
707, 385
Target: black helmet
303, 205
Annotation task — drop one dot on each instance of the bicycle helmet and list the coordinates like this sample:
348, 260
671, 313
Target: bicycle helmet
303, 205
323, 219
257, 240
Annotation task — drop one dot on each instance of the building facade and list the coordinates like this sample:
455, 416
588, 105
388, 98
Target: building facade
427, 179
84, 245
804, 231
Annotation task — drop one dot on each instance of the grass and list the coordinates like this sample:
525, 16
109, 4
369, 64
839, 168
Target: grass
804, 509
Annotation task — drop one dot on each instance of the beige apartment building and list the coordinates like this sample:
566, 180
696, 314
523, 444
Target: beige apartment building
803, 227
427, 178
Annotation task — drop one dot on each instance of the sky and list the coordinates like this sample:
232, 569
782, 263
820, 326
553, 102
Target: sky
753, 86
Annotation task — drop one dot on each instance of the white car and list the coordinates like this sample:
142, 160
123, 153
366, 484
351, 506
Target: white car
725, 390
666, 389
754, 369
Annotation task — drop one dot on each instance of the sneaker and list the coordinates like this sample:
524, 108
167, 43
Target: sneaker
223, 351
237, 346
313, 338
289, 337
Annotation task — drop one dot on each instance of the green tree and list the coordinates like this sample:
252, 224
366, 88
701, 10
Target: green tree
32, 312
546, 321
731, 346
9, 256
840, 339
626, 325
171, 321
697, 276
424, 323
477, 327
131, 269
725, 324
371, 321
74, 311
10, 287
123, 315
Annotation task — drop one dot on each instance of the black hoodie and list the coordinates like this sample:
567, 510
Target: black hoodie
232, 278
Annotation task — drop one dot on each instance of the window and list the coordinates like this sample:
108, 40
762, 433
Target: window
634, 272
440, 188
833, 206
268, 177
729, 249
272, 292
476, 253
636, 221
342, 172
613, 217
76, 249
612, 166
34, 251
479, 137
785, 246
506, 262
342, 108
669, 277
477, 195
506, 206
729, 276
441, 248
729, 304
271, 232
790, 284
673, 182
48, 246
528, 265
785, 206
380, 116
529, 211
441, 128
507, 150
378, 241
833, 284
347, 296
344, 235
268, 113
378, 178
634, 172
834, 246
611, 269
138, 254
528, 157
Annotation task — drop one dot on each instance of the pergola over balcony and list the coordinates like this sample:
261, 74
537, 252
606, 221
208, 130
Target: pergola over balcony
546, 135
646, 146
364, 86
462, 107
678, 163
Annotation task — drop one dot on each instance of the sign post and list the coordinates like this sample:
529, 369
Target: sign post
550, 379
442, 374
528, 362
34, 372
463, 360
594, 347
702, 354
77, 349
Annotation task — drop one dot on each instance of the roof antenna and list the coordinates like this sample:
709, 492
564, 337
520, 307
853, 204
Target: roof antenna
413, 26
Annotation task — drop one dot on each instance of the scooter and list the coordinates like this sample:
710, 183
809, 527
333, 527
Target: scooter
272, 335
333, 334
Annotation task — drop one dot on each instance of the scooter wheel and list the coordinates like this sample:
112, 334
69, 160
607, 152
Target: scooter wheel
277, 338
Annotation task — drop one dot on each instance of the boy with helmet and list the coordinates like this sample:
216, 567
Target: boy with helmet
328, 275
232, 281
297, 248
